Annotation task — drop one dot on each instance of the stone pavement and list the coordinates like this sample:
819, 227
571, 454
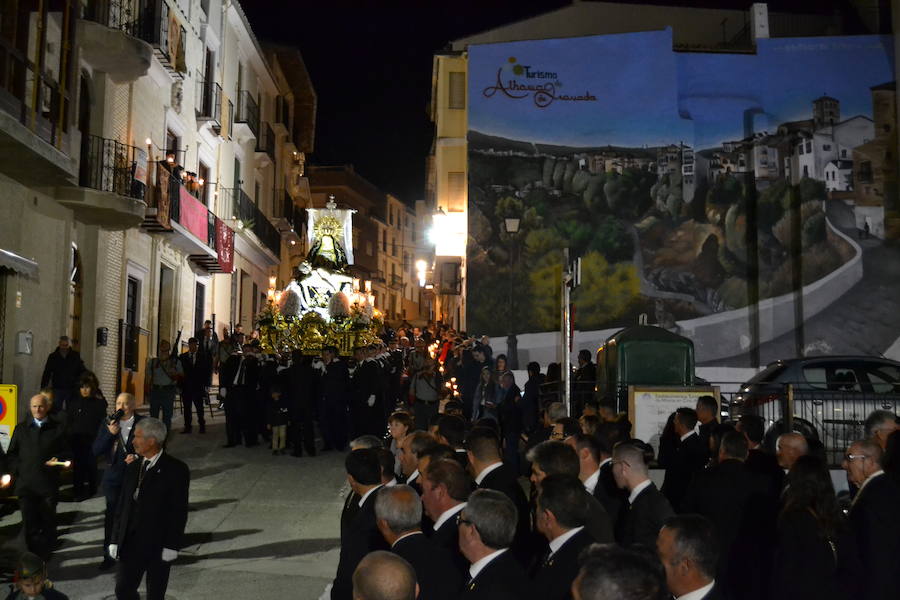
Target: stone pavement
259, 526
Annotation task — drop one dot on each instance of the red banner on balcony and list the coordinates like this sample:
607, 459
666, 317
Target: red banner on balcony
225, 245
192, 215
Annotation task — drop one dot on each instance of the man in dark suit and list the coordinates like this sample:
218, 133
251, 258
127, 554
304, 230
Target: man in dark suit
688, 458
302, 382
874, 524
483, 449
151, 514
61, 372
612, 573
595, 472
445, 489
208, 343
196, 366
758, 460
366, 395
383, 575
647, 509
334, 395
487, 526
239, 377
742, 509
36, 453
557, 458
115, 442
531, 399
707, 418
560, 516
688, 550
361, 535
398, 514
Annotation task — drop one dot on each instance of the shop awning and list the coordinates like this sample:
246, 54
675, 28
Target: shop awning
19, 264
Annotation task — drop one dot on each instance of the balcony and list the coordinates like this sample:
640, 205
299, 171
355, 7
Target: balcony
246, 117
257, 236
396, 282
288, 216
172, 209
265, 146
160, 28
111, 185
107, 40
34, 114
209, 103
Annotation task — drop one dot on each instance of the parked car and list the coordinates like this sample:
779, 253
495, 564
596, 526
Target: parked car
832, 396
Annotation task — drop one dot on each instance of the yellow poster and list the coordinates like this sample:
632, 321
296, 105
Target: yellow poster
9, 411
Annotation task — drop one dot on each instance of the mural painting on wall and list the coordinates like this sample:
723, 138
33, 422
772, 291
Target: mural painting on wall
703, 190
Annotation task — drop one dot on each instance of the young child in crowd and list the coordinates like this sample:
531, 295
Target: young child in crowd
278, 418
30, 581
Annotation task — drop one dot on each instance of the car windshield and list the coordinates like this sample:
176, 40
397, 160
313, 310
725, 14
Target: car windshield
768, 374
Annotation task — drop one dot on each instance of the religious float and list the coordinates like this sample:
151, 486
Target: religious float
323, 305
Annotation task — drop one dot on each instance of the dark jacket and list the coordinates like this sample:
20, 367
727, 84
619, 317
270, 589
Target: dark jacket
503, 479
875, 529
84, 415
640, 522
510, 412
598, 524
501, 579
447, 537
360, 537
335, 383
229, 371
437, 576
196, 372
47, 594
553, 580
531, 403
156, 519
111, 447
608, 493
279, 412
62, 371
689, 458
301, 383
32, 446
804, 563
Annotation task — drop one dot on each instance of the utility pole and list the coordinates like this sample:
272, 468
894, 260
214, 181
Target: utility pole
571, 277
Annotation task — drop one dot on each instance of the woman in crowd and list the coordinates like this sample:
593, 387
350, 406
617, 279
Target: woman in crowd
487, 396
809, 536
399, 424
84, 415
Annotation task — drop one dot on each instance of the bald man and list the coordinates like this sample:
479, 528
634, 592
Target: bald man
788, 448
115, 442
36, 454
382, 575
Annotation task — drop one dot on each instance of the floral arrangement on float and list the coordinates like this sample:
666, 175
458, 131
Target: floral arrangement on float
323, 305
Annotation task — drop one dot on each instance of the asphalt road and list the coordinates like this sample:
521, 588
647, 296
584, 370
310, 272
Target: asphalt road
260, 526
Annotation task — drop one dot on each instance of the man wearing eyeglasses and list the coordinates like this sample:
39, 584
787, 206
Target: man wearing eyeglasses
874, 522
487, 526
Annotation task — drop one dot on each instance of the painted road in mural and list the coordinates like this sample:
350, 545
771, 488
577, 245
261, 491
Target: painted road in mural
663, 169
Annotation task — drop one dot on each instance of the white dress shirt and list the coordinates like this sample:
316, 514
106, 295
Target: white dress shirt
591, 482
412, 477
476, 567
688, 434
406, 535
125, 426
367, 494
637, 490
447, 514
699, 593
559, 540
486, 471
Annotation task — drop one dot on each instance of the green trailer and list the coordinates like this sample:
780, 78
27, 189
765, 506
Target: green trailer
642, 355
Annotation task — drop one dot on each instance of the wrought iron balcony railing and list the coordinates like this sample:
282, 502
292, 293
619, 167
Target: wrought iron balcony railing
111, 166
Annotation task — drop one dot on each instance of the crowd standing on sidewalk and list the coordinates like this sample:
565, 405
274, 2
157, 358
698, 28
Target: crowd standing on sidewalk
463, 484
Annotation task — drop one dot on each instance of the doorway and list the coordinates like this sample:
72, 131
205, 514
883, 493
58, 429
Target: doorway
75, 299
166, 314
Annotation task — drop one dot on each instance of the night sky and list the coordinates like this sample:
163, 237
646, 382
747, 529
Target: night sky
370, 63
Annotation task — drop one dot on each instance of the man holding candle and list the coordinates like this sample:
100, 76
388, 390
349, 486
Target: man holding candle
38, 451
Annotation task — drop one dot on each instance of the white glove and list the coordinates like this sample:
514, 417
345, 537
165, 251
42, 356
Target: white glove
223, 392
113, 551
371, 400
168, 555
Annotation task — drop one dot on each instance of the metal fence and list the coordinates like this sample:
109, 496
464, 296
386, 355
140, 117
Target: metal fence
109, 166
240, 207
247, 111
266, 140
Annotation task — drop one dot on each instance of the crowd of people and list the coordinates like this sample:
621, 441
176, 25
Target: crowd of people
441, 439
440, 505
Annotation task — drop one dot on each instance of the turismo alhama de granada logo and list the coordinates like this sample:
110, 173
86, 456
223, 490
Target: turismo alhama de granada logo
518, 81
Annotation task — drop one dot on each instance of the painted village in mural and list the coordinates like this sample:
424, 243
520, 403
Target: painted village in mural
663, 173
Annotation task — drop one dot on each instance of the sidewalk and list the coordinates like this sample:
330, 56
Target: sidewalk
260, 525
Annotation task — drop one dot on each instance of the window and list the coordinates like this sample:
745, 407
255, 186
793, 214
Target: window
393, 246
844, 153
456, 190
203, 173
384, 241
800, 149
826, 147
808, 147
370, 248
199, 305
884, 378
391, 215
173, 145
132, 297
457, 91
865, 171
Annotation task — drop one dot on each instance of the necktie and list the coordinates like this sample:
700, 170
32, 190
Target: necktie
239, 380
193, 359
144, 465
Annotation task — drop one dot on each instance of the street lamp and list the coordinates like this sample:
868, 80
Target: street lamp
512, 344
